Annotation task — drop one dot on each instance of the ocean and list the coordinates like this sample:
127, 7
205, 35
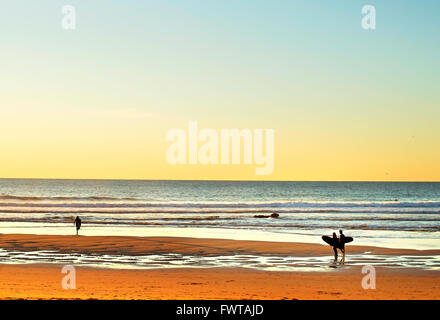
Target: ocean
387, 214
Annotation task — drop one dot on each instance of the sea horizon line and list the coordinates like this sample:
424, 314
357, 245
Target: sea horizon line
219, 180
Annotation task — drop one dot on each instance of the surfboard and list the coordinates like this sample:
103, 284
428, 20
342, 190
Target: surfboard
332, 242
348, 239
329, 240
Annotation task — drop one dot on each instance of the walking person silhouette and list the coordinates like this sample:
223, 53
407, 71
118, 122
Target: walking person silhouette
338, 243
342, 245
77, 222
335, 247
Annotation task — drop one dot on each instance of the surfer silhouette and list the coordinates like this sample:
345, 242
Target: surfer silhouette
342, 245
338, 243
77, 222
335, 248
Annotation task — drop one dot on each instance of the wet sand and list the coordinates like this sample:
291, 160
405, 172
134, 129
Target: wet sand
187, 246
43, 281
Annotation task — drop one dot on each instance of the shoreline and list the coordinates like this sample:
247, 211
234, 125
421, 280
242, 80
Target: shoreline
134, 245
368, 238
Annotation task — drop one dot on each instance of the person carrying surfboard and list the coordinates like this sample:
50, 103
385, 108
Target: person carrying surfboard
338, 243
335, 247
334, 243
77, 222
342, 244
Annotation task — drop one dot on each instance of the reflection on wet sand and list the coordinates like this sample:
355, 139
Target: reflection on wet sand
260, 262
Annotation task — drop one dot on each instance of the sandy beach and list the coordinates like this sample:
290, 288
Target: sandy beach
43, 280
220, 150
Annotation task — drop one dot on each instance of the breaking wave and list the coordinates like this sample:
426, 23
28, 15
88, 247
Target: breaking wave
280, 205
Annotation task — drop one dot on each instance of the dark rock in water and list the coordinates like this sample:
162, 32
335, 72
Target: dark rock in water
273, 215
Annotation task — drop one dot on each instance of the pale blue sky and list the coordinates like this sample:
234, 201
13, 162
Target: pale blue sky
220, 49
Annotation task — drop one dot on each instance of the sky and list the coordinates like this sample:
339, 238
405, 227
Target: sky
345, 104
